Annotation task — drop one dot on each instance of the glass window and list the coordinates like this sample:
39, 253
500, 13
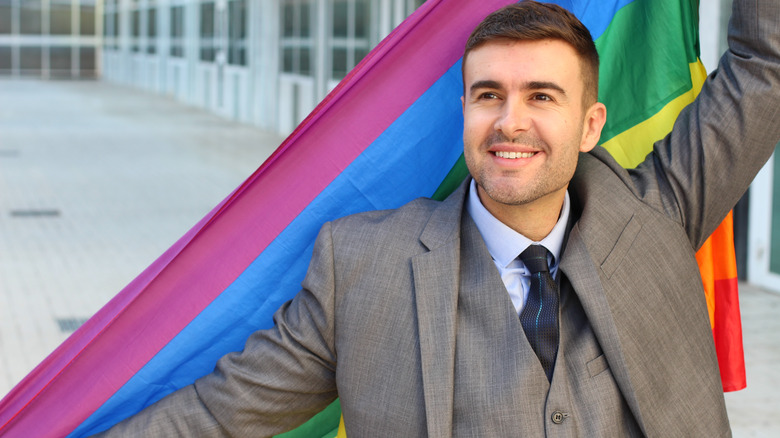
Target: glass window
360, 54
288, 19
5, 16
361, 19
87, 61
304, 21
237, 32
774, 249
296, 39
411, 5
349, 36
304, 61
151, 30
6, 61
135, 28
110, 29
30, 60
87, 18
30, 17
288, 63
110, 25
59, 61
177, 31
107, 29
59, 17
207, 48
339, 62
117, 29
340, 18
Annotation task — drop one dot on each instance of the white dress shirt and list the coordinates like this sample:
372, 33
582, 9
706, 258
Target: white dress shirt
506, 244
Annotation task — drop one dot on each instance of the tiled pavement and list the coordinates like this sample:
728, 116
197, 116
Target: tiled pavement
97, 180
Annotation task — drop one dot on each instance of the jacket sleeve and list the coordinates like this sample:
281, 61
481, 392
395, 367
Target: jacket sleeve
283, 376
721, 140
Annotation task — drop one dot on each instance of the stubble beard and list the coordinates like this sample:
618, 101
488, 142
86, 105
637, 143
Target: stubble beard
503, 189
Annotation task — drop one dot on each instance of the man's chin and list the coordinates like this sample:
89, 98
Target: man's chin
507, 195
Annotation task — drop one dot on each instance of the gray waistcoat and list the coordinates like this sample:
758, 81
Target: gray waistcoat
506, 392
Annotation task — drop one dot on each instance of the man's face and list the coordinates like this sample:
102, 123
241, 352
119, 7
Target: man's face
525, 122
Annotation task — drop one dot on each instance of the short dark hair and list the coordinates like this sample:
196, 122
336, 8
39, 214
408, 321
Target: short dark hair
533, 21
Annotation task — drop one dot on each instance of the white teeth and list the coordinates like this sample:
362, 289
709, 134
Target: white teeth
514, 155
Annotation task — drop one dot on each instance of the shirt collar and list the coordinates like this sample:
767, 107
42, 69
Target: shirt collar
504, 243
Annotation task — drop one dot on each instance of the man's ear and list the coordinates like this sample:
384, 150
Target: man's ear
463, 103
594, 120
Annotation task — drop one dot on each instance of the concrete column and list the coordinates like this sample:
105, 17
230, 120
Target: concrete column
263, 52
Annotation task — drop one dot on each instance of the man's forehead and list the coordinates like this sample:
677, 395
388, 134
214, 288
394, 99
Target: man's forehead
496, 59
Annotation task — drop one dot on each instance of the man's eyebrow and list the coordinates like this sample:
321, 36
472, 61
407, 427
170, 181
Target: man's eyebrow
484, 84
544, 85
533, 85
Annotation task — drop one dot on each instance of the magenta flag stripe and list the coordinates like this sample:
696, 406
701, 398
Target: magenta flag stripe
150, 311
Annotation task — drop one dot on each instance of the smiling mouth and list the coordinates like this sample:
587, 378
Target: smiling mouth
514, 155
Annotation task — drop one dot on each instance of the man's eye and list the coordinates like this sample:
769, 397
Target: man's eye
488, 95
542, 97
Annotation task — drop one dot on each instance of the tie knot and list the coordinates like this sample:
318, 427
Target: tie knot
535, 259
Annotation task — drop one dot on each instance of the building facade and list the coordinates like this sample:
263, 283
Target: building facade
50, 38
267, 63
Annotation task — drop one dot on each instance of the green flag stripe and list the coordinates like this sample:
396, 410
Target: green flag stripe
453, 179
645, 53
327, 420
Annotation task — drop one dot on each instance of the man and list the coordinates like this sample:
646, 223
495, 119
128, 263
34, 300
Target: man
418, 319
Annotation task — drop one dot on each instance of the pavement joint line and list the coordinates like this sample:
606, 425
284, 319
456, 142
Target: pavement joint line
35, 212
69, 325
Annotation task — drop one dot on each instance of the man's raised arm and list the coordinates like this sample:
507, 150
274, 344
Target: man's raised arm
721, 140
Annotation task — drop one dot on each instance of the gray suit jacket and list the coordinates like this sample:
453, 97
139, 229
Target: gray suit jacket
376, 322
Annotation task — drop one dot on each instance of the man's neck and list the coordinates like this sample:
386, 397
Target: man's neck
534, 220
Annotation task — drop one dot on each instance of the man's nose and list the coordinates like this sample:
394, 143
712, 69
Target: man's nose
514, 118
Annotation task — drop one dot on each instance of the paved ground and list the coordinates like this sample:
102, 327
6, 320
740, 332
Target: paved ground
97, 180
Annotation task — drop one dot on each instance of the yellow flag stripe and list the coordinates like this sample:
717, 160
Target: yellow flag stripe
632, 145
342, 431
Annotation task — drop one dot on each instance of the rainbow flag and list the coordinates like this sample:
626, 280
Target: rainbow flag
390, 132
650, 55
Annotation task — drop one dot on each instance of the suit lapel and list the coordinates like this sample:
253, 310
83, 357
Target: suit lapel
579, 269
436, 282
604, 234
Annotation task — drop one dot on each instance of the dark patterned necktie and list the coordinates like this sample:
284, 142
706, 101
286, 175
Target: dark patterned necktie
539, 316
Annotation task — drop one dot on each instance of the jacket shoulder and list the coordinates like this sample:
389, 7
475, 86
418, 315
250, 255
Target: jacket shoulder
407, 220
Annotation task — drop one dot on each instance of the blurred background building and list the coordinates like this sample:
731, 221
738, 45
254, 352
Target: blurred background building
49, 38
267, 63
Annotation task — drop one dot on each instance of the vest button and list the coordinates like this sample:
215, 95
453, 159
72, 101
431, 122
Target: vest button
558, 417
